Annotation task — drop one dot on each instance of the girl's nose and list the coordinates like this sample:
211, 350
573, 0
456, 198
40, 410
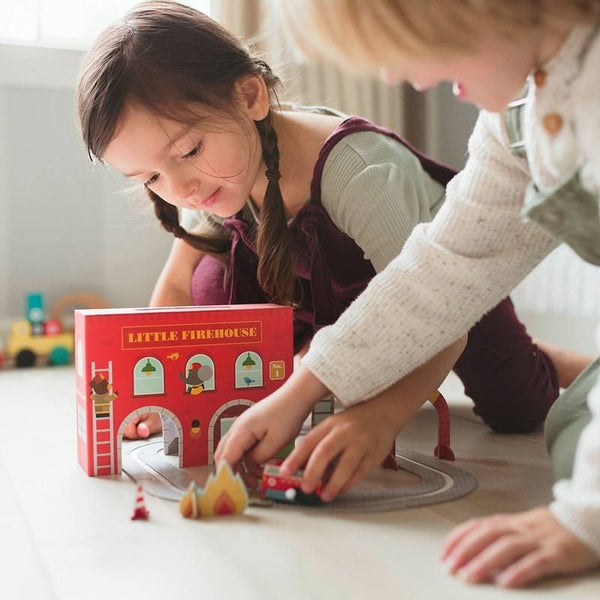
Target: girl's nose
183, 187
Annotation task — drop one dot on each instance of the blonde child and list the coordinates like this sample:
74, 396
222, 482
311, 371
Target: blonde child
531, 181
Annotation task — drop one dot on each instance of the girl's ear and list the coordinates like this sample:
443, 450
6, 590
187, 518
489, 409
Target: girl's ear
253, 95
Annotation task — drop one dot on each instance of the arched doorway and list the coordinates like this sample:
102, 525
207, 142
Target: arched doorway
165, 414
226, 411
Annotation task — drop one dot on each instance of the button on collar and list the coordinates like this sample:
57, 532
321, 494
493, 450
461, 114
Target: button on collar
539, 77
552, 122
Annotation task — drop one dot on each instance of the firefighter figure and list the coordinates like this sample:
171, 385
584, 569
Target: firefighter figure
101, 395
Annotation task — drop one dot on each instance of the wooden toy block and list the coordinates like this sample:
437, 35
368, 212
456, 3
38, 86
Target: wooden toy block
223, 494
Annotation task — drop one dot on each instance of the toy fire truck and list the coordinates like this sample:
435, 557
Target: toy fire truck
286, 489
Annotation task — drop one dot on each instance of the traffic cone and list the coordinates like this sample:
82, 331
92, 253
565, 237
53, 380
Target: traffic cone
140, 511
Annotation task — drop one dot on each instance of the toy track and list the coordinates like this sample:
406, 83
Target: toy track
432, 482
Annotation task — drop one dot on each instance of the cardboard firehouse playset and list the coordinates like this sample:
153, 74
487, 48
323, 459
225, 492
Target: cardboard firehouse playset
198, 367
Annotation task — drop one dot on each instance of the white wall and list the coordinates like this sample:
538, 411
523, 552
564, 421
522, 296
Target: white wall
448, 126
4, 246
65, 225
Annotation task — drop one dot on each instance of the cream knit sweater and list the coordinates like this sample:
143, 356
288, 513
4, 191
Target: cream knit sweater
454, 269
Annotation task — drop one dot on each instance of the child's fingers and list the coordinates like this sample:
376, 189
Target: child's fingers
131, 430
325, 452
529, 569
141, 427
456, 535
152, 422
254, 468
363, 468
485, 533
142, 430
496, 557
554, 551
301, 453
264, 449
342, 473
220, 446
234, 445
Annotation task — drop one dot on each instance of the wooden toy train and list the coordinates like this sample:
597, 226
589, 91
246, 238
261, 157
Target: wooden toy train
37, 339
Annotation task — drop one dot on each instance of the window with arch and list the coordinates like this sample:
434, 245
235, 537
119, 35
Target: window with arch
248, 370
148, 377
199, 373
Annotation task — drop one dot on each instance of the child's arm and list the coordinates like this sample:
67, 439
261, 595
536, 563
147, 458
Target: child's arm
173, 285
363, 435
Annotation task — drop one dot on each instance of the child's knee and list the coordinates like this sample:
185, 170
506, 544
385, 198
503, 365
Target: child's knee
517, 395
516, 410
514, 422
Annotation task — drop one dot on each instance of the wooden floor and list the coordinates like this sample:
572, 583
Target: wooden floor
66, 536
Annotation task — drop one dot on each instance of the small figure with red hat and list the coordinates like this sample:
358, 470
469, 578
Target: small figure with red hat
196, 376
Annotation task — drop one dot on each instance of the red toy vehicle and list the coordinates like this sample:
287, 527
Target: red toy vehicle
286, 489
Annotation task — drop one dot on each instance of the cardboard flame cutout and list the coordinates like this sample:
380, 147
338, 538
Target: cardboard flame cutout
223, 494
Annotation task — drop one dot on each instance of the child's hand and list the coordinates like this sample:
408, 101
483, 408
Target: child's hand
515, 550
143, 426
258, 434
263, 429
360, 438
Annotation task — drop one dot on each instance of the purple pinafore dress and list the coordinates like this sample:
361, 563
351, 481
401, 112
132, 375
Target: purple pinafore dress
500, 359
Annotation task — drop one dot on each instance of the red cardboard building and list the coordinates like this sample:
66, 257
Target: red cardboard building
198, 367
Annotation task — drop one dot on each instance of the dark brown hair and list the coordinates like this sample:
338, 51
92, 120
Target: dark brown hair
167, 57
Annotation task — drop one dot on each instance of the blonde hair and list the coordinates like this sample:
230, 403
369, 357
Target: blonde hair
364, 35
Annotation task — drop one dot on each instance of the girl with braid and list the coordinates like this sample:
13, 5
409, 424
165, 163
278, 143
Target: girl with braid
272, 203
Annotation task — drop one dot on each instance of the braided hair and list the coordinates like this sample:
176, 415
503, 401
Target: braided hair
274, 241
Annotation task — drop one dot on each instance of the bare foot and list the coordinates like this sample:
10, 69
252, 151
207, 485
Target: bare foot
144, 426
568, 363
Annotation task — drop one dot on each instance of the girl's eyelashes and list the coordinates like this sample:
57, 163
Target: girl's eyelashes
152, 180
194, 151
